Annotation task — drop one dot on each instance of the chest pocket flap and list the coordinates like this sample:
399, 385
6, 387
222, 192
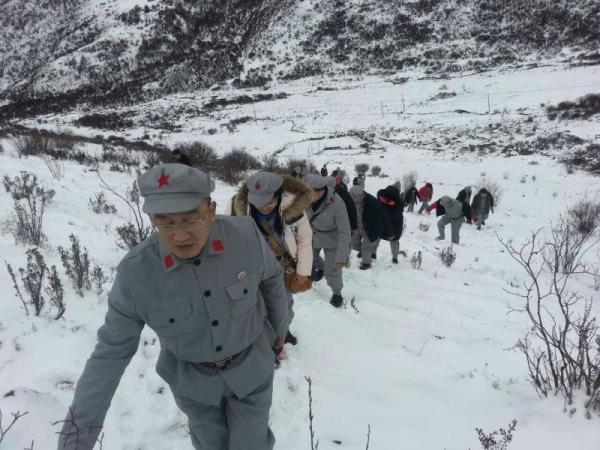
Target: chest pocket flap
170, 317
243, 294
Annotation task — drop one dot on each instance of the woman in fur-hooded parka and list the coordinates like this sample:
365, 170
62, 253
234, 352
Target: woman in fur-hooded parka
297, 232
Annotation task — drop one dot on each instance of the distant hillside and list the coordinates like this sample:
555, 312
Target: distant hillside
57, 53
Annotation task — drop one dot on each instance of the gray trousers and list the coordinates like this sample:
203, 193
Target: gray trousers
332, 274
456, 224
424, 206
395, 247
361, 243
480, 216
290, 298
236, 424
411, 207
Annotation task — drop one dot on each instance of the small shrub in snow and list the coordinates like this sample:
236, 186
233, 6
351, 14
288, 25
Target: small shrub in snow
152, 159
423, 227
30, 200
409, 180
5, 428
375, 171
35, 281
77, 265
497, 439
55, 166
233, 166
361, 168
584, 216
98, 279
100, 205
200, 154
270, 163
129, 236
448, 256
122, 160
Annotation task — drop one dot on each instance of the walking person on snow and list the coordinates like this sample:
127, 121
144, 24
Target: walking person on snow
331, 233
464, 196
373, 225
483, 203
451, 211
410, 197
391, 202
425, 195
277, 204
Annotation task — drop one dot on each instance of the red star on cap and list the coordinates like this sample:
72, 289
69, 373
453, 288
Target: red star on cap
163, 180
257, 186
217, 246
169, 261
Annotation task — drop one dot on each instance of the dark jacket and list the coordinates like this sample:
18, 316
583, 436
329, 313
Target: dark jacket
481, 204
342, 191
392, 204
464, 196
375, 219
410, 195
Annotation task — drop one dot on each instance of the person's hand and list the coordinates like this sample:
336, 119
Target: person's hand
340, 266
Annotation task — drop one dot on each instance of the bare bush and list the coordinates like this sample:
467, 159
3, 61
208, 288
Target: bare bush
447, 255
120, 159
100, 205
55, 166
233, 166
497, 439
423, 227
361, 168
77, 265
584, 216
375, 171
15, 417
493, 188
562, 348
152, 159
35, 284
30, 200
130, 234
98, 279
409, 180
200, 154
270, 163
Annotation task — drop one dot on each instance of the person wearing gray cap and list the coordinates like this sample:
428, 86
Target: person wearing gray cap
213, 292
331, 233
277, 204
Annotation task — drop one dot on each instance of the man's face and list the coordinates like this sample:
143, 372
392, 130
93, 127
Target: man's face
267, 208
358, 199
318, 194
184, 234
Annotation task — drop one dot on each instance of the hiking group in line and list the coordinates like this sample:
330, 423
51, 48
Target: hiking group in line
218, 289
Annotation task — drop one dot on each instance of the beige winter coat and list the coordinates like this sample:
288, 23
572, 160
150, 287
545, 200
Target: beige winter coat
297, 232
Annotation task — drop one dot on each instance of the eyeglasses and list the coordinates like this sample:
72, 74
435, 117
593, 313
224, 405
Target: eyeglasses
191, 226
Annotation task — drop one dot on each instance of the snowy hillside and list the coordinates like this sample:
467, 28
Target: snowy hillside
424, 356
86, 51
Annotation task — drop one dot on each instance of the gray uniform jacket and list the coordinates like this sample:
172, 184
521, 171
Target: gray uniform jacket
230, 299
331, 226
453, 207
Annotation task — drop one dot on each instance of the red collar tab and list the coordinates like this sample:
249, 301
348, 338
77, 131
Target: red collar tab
163, 180
169, 261
217, 246
258, 186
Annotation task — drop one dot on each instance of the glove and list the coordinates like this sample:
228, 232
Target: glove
300, 283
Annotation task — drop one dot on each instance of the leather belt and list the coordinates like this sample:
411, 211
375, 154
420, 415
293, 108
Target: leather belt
223, 364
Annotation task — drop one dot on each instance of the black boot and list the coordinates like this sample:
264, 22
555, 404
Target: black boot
291, 339
337, 300
364, 266
316, 275
359, 255
373, 255
395, 260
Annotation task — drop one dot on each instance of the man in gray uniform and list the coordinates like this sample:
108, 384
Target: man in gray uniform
331, 233
451, 211
213, 292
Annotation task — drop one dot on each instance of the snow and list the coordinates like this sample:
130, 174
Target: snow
428, 356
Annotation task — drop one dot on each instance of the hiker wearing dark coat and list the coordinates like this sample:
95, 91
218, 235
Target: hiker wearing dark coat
342, 190
373, 225
392, 204
464, 196
451, 211
483, 203
411, 197
324, 171
425, 195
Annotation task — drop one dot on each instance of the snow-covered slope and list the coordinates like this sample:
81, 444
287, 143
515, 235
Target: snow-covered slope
428, 356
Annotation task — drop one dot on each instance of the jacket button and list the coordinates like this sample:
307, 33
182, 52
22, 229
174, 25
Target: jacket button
207, 293
171, 320
219, 348
197, 262
215, 323
245, 291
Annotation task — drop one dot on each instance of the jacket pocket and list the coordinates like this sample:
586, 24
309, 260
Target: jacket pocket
243, 295
169, 321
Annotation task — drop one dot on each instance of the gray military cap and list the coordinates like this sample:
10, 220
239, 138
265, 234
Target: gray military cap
173, 188
262, 187
315, 181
